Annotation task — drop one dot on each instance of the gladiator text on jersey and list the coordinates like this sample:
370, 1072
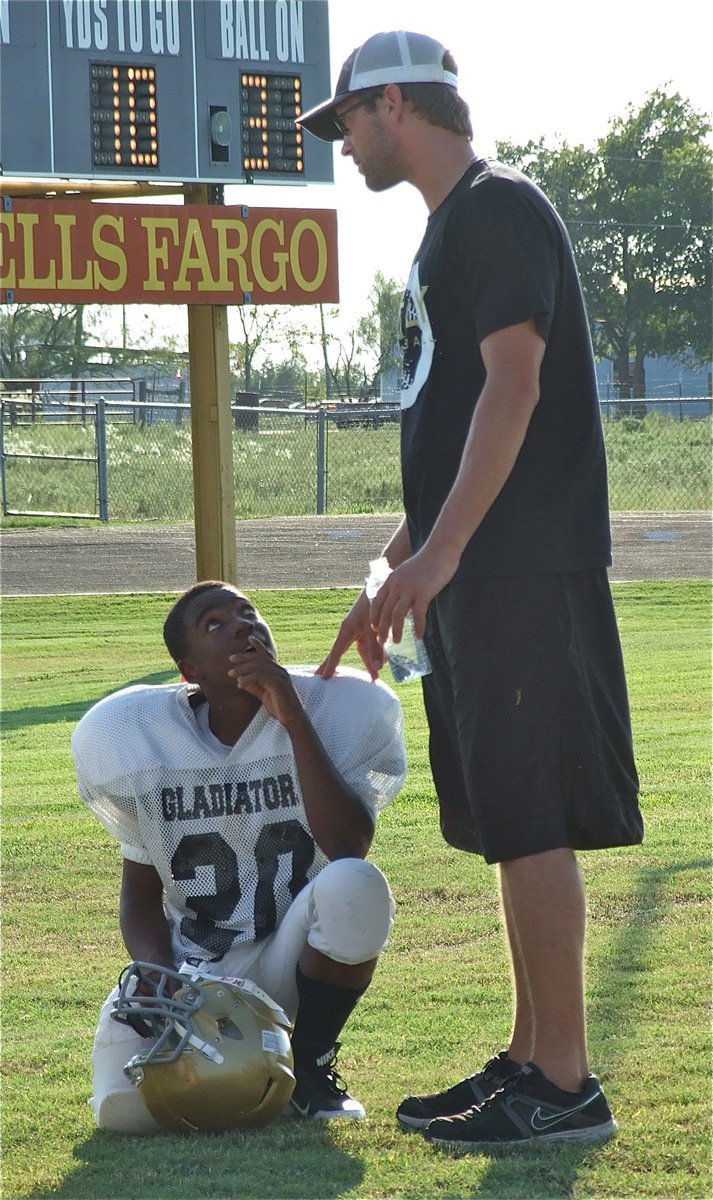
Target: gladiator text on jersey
228, 798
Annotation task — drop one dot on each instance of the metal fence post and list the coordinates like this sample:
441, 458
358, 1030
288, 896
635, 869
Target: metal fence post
102, 478
181, 401
321, 460
2, 458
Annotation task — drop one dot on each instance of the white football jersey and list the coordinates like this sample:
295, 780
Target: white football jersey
226, 827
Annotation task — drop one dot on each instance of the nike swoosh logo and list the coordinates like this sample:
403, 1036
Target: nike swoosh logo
540, 1122
302, 1110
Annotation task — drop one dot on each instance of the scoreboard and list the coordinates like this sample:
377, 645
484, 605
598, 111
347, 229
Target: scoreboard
202, 91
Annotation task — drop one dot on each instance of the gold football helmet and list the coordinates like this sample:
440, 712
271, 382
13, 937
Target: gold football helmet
220, 1056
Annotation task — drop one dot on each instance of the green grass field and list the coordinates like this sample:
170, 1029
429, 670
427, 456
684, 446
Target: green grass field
440, 1001
655, 462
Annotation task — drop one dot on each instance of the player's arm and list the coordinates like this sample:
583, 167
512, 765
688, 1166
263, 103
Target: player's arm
356, 628
341, 821
512, 358
143, 923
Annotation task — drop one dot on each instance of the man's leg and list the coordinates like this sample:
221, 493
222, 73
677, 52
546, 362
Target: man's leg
544, 904
553, 1098
522, 1039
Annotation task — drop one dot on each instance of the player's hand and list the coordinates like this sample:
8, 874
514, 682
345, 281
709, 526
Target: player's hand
409, 589
150, 980
256, 671
355, 629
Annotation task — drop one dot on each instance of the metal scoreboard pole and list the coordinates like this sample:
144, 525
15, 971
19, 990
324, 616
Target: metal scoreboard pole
124, 97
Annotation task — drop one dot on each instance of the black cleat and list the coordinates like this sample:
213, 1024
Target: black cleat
321, 1093
527, 1110
416, 1112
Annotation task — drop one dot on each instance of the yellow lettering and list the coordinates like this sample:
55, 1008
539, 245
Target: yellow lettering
236, 254
302, 227
195, 257
110, 252
66, 222
7, 221
279, 282
27, 222
157, 248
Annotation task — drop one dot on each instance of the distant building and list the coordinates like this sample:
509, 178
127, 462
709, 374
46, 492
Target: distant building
664, 377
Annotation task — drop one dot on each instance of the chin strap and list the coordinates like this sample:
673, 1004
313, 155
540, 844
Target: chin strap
204, 1047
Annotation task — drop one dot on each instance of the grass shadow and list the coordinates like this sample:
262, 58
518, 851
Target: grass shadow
611, 1022
211, 1167
544, 1172
73, 710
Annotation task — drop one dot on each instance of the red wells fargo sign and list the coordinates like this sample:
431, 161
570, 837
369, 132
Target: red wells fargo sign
109, 253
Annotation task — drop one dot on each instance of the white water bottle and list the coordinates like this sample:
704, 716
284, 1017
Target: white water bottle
408, 658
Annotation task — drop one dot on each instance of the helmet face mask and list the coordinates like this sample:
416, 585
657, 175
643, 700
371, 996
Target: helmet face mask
219, 1056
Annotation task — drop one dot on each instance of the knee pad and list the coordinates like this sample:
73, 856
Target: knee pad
124, 1111
352, 911
117, 1105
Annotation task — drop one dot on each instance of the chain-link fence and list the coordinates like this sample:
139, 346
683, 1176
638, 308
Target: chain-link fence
297, 461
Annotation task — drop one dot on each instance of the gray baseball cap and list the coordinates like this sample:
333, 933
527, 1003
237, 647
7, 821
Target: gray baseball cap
396, 57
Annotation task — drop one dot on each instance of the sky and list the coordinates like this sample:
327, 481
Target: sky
557, 69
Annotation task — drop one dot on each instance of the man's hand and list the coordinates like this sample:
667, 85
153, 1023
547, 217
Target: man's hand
355, 629
410, 589
256, 671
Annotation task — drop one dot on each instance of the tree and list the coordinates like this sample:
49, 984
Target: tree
324, 340
354, 361
38, 341
260, 325
380, 327
349, 373
637, 209
345, 375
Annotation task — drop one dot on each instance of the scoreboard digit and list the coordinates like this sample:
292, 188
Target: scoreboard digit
124, 116
271, 141
186, 90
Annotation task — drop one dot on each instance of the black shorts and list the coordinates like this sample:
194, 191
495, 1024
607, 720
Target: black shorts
530, 734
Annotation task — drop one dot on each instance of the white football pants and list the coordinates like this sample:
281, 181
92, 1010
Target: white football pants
345, 913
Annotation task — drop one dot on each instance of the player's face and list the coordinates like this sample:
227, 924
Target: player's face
367, 143
217, 624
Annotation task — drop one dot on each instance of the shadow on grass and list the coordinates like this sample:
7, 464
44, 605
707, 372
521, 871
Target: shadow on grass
612, 1014
542, 1172
73, 710
292, 1159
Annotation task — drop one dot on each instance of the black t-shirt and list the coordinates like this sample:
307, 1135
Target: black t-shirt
495, 253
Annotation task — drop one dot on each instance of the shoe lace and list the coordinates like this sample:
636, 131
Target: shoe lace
507, 1085
511, 1084
514, 1083
492, 1067
327, 1068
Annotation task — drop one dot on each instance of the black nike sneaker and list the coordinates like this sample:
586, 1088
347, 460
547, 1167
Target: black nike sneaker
416, 1112
526, 1110
320, 1092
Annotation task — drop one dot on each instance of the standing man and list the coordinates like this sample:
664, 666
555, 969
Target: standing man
244, 802
501, 558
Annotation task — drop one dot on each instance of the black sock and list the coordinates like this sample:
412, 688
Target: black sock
324, 1009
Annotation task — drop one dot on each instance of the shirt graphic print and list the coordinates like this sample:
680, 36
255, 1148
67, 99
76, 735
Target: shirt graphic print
417, 344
